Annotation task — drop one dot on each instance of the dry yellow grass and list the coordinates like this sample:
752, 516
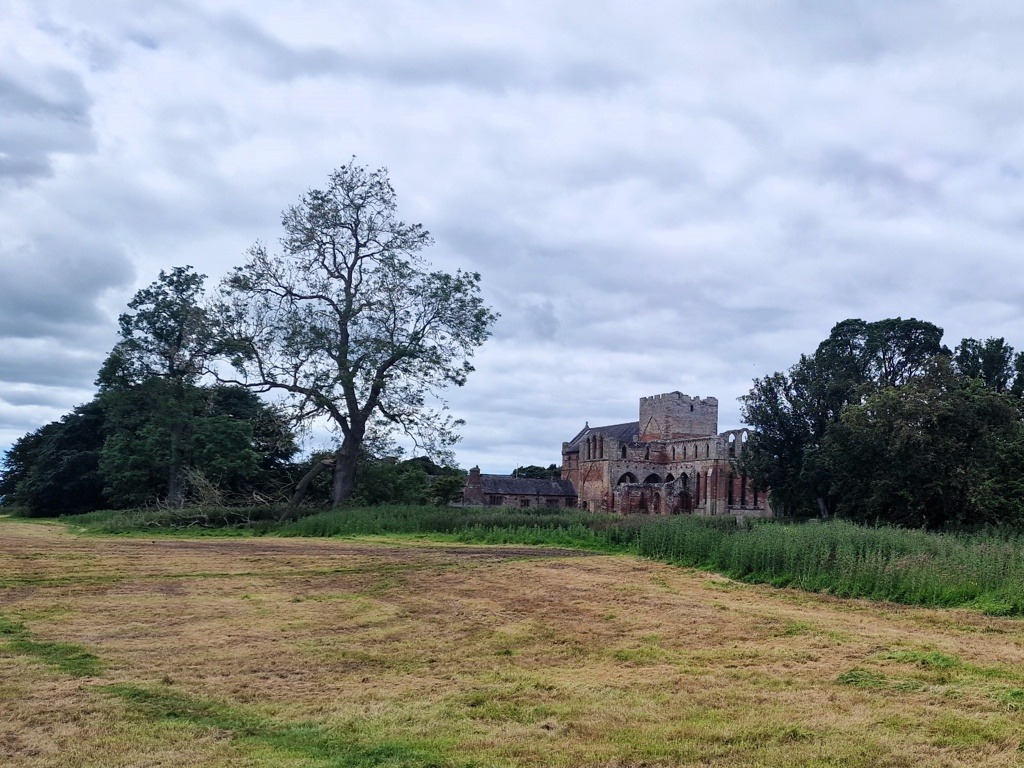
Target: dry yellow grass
289, 652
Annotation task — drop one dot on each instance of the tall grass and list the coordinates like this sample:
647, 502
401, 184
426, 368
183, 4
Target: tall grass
907, 566
983, 570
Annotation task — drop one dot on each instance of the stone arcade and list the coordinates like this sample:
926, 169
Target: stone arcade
672, 461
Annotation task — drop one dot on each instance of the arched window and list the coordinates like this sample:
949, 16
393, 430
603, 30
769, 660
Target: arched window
685, 480
647, 454
622, 452
732, 445
669, 477
673, 453
629, 477
652, 478
600, 447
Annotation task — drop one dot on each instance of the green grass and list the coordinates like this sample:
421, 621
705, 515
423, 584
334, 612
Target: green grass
69, 658
982, 570
925, 659
311, 742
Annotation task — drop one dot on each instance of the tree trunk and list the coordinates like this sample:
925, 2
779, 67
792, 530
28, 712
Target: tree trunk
345, 470
175, 491
303, 485
822, 508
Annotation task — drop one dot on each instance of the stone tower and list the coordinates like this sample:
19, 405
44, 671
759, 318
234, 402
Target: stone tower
675, 416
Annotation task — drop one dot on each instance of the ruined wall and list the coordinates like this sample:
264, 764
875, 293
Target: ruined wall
675, 416
672, 471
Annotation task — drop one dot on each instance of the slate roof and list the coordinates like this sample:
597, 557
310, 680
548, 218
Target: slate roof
624, 433
503, 485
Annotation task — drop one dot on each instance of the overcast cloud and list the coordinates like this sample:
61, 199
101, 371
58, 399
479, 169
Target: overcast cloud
659, 195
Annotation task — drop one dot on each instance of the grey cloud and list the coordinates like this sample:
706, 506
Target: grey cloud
886, 187
52, 285
493, 71
48, 363
17, 421
260, 50
46, 397
41, 115
681, 197
143, 40
468, 66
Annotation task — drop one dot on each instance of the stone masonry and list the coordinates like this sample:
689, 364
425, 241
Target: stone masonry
672, 460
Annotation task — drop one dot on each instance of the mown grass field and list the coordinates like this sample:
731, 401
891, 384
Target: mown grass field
266, 651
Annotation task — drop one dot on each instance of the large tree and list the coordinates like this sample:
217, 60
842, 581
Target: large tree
350, 321
991, 361
791, 412
229, 444
166, 339
932, 452
55, 469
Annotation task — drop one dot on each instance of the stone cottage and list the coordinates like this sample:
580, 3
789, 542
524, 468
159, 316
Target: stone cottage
506, 491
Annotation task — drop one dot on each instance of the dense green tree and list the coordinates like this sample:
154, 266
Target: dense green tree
18, 462
447, 488
918, 454
537, 472
1017, 389
990, 361
791, 412
390, 481
229, 442
351, 323
165, 342
54, 470
786, 427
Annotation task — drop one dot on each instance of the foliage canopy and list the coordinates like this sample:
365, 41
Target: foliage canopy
884, 423
349, 321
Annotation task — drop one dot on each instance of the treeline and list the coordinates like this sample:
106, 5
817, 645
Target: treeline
885, 424
231, 448
116, 451
156, 434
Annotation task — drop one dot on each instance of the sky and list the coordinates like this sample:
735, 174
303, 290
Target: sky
658, 196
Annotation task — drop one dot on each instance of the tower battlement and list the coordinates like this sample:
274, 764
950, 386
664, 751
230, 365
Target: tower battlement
675, 416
